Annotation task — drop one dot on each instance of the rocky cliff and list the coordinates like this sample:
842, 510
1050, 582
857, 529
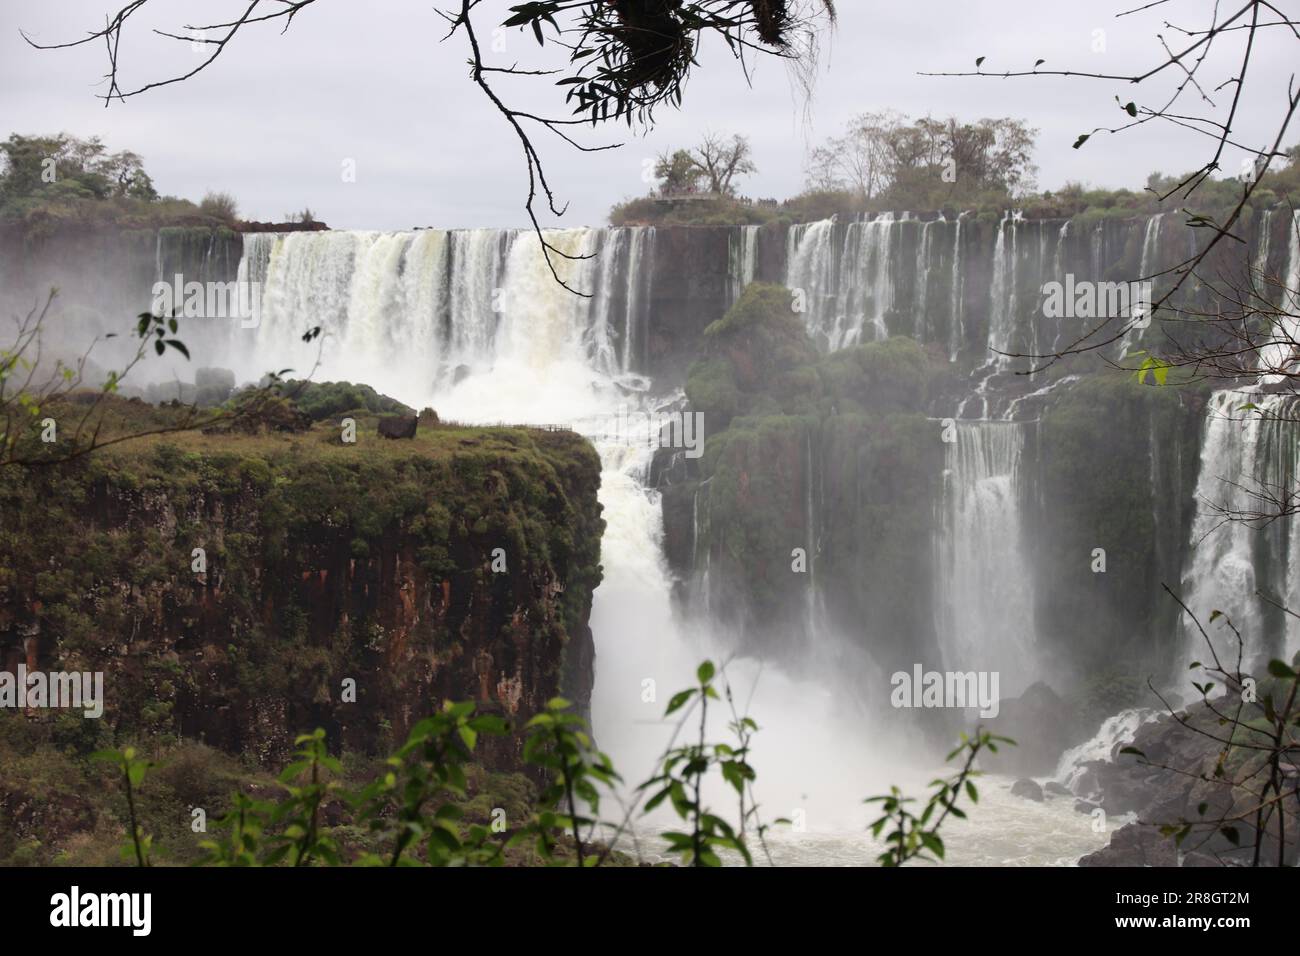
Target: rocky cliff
242, 589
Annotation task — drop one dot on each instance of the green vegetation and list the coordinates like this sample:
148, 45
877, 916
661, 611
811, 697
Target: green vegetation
53, 180
325, 400
776, 412
1129, 501
884, 164
301, 533
424, 805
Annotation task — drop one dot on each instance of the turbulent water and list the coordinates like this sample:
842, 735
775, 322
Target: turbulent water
1250, 459
473, 323
986, 589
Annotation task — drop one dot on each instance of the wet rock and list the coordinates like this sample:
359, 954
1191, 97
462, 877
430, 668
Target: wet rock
1027, 789
1056, 789
1134, 845
1188, 792
1039, 722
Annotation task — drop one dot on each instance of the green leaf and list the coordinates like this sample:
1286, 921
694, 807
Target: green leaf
1083, 138
678, 700
705, 672
1279, 669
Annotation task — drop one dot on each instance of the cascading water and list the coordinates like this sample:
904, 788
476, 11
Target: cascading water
1115, 731
1243, 451
1250, 460
1146, 267
956, 325
847, 281
986, 594
742, 259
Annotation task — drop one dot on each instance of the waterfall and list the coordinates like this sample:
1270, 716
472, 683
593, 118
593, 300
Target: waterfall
847, 281
923, 252
1147, 265
1264, 247
1244, 451
1058, 273
876, 241
1002, 301
1002, 294
956, 314
1280, 351
742, 259
985, 611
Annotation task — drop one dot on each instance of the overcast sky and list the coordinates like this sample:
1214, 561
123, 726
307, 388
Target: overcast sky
274, 118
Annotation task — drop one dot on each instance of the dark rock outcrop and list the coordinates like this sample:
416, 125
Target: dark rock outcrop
242, 592
1190, 792
1040, 723
399, 426
1028, 789
1134, 845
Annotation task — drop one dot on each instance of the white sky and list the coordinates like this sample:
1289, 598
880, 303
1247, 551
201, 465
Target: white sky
273, 120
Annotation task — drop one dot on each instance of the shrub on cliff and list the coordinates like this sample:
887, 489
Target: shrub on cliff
323, 400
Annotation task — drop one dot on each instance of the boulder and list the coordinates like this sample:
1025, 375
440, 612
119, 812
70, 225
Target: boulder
398, 426
1056, 789
1028, 789
1188, 792
1040, 724
1134, 845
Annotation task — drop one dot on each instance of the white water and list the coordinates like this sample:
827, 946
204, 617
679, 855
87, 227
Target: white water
742, 259
1281, 354
1115, 731
1243, 451
986, 587
845, 291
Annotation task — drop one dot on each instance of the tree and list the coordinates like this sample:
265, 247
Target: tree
52, 170
677, 173
926, 162
222, 205
625, 58
720, 161
859, 161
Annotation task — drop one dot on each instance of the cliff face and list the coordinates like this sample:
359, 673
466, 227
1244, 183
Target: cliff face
458, 566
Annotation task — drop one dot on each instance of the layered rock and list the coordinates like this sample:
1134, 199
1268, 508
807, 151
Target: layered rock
235, 589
